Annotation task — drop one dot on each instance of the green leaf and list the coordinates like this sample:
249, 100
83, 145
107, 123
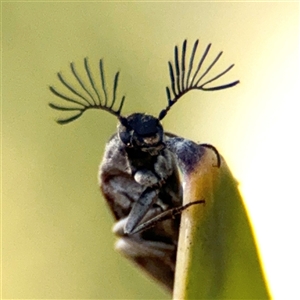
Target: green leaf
217, 256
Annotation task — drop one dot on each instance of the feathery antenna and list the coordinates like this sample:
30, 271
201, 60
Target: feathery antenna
183, 81
84, 100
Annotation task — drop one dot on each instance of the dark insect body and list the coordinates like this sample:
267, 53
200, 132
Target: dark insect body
139, 173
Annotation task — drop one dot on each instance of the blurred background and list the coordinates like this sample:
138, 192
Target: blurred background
56, 228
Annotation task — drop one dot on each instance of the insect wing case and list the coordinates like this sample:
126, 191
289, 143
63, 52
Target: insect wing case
153, 249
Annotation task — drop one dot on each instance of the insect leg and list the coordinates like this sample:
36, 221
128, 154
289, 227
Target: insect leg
135, 248
140, 208
163, 216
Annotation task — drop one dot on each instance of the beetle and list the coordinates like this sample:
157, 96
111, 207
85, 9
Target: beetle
138, 175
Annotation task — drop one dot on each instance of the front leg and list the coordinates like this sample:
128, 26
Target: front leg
140, 208
146, 178
152, 180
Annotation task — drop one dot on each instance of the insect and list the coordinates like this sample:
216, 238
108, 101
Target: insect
138, 175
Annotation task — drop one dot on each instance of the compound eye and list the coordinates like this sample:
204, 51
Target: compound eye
126, 137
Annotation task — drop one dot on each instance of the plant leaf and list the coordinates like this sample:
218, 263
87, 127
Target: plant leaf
217, 256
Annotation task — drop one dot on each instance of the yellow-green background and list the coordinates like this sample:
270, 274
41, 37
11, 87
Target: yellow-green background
56, 228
